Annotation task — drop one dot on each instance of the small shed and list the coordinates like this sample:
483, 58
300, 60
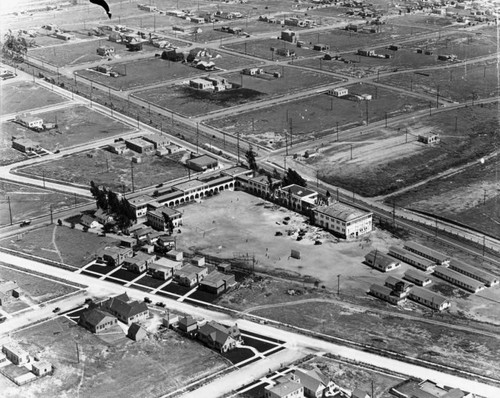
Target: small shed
136, 332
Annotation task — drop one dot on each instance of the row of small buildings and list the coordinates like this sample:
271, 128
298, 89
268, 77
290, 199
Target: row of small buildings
428, 261
18, 366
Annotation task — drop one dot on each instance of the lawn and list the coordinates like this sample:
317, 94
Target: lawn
24, 96
385, 162
154, 70
37, 289
80, 52
192, 102
27, 202
76, 125
62, 244
171, 361
111, 170
317, 116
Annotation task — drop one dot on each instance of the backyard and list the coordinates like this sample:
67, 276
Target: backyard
111, 170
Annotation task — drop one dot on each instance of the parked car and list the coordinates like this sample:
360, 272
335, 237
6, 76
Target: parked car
160, 304
57, 309
25, 223
147, 300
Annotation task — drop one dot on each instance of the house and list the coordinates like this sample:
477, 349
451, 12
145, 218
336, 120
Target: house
386, 293
190, 275
202, 163
339, 92
163, 268
139, 263
358, 393
102, 217
175, 255
105, 51
344, 220
321, 47
201, 84
427, 389
429, 299
297, 198
164, 218
140, 145
366, 53
126, 310
158, 140
142, 233
381, 261
31, 122
252, 71
114, 255
140, 203
8, 289
96, 320
289, 36
286, 389
219, 337
428, 138
285, 52
199, 261
164, 244
117, 147
219, 83
64, 36
187, 325
417, 277
15, 354
134, 45
26, 145
136, 332
217, 283
128, 242
89, 221
41, 368
315, 383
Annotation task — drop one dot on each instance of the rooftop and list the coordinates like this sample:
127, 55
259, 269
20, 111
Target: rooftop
342, 211
189, 185
189, 271
284, 389
428, 295
235, 171
297, 190
140, 200
473, 283
203, 160
216, 279
418, 275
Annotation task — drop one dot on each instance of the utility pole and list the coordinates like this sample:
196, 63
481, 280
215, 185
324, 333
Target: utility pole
74, 196
77, 353
366, 103
337, 130
51, 217
393, 213
437, 98
291, 133
430, 108
351, 150
406, 136
10, 210
338, 284
197, 136
132, 175
238, 145
456, 123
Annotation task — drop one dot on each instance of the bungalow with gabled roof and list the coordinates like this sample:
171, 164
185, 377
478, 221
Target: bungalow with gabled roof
219, 337
126, 310
96, 320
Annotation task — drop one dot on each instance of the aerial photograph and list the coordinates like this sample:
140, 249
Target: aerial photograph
250, 198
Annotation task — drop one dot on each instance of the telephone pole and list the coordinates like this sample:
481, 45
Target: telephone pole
10, 210
132, 174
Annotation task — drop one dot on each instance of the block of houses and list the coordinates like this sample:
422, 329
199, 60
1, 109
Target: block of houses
381, 261
96, 320
202, 163
15, 354
136, 332
417, 277
89, 221
164, 218
125, 309
219, 337
8, 290
187, 325
25, 145
41, 368
114, 255
297, 198
190, 275
429, 299
29, 121
346, 221
216, 282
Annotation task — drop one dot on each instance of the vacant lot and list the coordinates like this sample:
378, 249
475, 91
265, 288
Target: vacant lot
23, 96
37, 289
27, 202
317, 116
81, 52
262, 48
76, 125
111, 170
458, 83
154, 70
390, 159
171, 361
59, 243
192, 102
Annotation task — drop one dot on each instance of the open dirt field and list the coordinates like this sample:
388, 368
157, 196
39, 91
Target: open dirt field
59, 243
80, 52
236, 222
171, 361
317, 116
23, 96
111, 170
192, 102
457, 83
262, 48
27, 202
154, 70
76, 125
34, 289
384, 162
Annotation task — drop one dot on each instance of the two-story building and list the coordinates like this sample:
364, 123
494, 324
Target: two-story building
343, 220
298, 198
164, 218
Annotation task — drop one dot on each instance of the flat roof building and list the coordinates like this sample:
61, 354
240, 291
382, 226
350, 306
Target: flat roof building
202, 163
140, 145
140, 204
216, 282
297, 197
190, 275
344, 220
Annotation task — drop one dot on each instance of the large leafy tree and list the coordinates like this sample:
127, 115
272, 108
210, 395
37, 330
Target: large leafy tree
292, 177
251, 158
15, 46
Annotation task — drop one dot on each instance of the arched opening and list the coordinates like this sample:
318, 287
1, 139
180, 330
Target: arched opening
196, 196
177, 202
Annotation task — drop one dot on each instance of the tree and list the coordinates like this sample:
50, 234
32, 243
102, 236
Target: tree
251, 155
94, 189
15, 47
292, 177
113, 202
59, 222
102, 199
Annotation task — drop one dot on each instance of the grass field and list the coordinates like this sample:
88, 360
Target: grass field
192, 102
154, 70
385, 163
111, 170
59, 243
23, 96
75, 53
317, 116
171, 361
457, 83
76, 125
27, 202
37, 289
